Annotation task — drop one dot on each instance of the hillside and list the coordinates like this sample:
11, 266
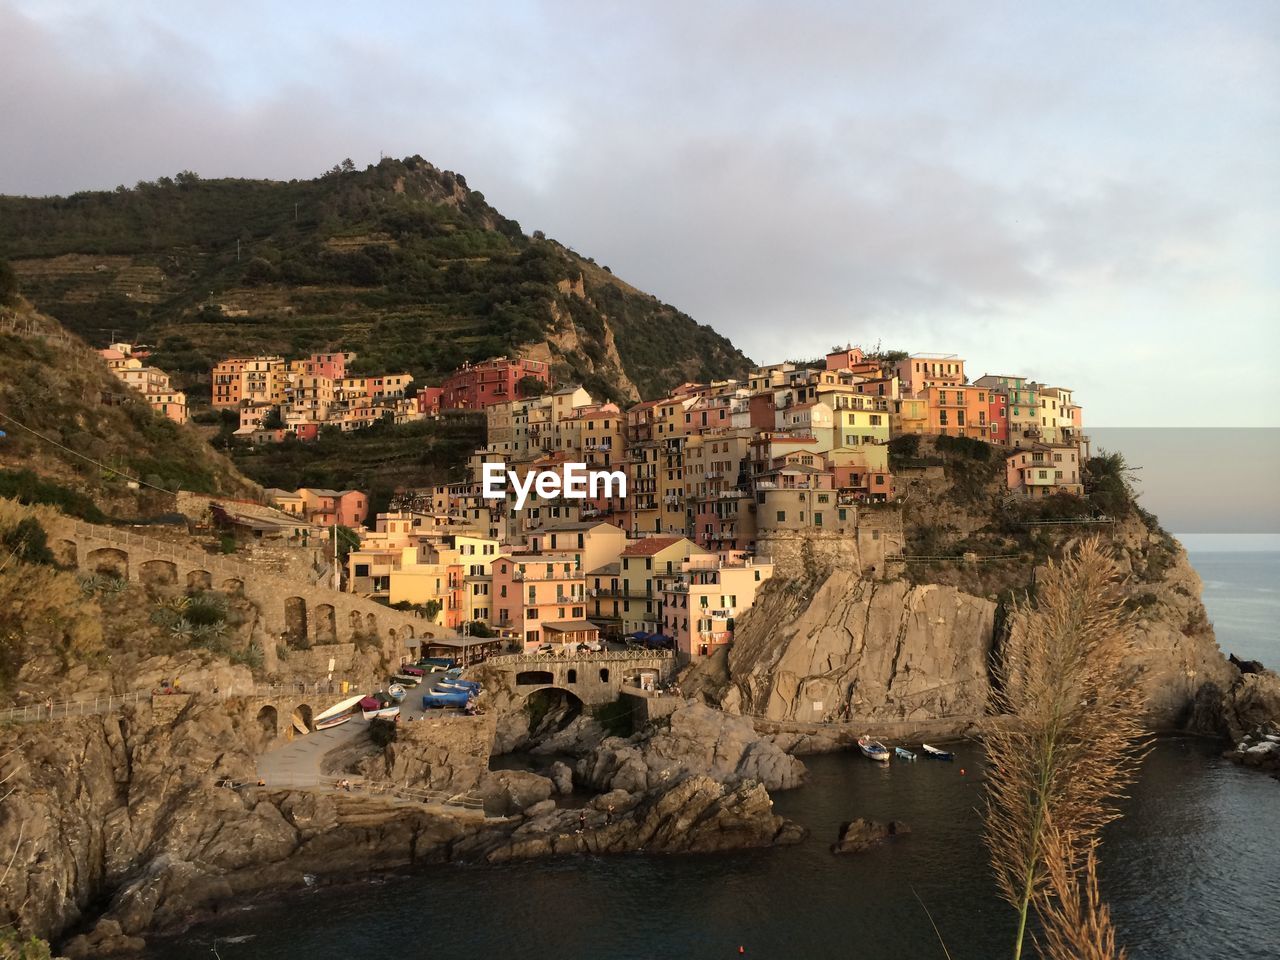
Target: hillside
401, 262
91, 426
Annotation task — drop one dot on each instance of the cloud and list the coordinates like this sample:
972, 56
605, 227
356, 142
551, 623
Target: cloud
1071, 190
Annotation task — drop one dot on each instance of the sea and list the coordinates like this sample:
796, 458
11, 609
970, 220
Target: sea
1191, 871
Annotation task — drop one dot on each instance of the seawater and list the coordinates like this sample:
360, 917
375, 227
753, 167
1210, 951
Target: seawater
1191, 872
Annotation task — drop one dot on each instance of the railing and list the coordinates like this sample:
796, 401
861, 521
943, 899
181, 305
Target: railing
604, 655
107, 703
366, 788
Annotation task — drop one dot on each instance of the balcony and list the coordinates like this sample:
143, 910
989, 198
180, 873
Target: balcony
543, 575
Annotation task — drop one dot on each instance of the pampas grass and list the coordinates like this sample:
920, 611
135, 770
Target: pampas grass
1063, 749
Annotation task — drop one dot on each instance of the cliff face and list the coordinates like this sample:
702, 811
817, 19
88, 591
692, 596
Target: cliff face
902, 650
864, 648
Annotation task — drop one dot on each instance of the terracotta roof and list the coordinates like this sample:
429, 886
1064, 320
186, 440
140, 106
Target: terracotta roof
649, 546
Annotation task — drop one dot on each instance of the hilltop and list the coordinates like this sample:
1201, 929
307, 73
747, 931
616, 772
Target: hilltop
401, 262
94, 431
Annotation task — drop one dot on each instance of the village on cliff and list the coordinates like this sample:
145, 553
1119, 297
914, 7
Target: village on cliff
724, 482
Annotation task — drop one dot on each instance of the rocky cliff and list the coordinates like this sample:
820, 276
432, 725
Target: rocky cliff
845, 646
874, 650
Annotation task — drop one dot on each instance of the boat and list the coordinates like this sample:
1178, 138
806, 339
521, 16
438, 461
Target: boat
380, 705
412, 671
470, 686
902, 753
873, 749
396, 692
445, 698
405, 680
933, 753
339, 713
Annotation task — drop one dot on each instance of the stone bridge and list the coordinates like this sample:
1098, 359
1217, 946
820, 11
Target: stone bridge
594, 678
300, 614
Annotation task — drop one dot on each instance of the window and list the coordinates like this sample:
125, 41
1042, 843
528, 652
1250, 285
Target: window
572, 676
604, 674
782, 516
817, 518
531, 613
362, 569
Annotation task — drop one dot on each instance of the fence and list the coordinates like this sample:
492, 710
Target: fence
106, 703
566, 656
368, 788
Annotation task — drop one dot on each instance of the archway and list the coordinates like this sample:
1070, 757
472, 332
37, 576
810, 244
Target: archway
199, 581
109, 561
550, 710
158, 573
326, 624
269, 720
300, 720
232, 585
355, 620
295, 621
371, 625
534, 678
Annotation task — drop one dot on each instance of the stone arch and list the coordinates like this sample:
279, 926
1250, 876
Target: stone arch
300, 717
65, 553
199, 581
269, 720
604, 674
232, 585
295, 620
326, 624
158, 573
355, 620
552, 709
571, 676
534, 678
109, 560
371, 624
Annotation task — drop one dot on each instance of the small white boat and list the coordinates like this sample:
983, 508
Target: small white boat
396, 691
405, 680
380, 706
902, 753
936, 754
873, 749
339, 713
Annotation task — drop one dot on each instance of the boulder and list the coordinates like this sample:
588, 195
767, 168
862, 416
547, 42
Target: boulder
694, 740
513, 791
539, 808
561, 775
860, 834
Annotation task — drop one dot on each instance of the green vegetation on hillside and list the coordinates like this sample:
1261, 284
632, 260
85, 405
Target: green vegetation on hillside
377, 460
400, 262
91, 432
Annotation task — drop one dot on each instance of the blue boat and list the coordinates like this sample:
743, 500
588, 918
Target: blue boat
445, 698
902, 753
469, 685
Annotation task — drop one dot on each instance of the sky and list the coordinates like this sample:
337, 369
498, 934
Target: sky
1086, 193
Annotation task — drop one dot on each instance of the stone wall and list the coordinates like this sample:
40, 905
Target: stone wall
812, 554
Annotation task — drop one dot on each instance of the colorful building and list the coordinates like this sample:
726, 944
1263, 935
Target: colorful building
476, 386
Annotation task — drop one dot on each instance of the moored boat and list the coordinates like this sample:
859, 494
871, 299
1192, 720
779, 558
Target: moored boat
339, 713
379, 705
469, 686
873, 749
396, 692
405, 680
934, 753
445, 698
902, 753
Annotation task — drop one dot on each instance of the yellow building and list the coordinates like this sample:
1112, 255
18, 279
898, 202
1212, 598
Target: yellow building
647, 565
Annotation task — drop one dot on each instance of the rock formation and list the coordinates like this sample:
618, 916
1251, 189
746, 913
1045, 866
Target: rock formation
695, 740
864, 648
861, 834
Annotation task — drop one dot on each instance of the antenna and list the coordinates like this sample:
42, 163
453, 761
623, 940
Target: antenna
237, 250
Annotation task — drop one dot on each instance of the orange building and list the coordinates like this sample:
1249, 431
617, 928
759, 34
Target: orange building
959, 411
542, 598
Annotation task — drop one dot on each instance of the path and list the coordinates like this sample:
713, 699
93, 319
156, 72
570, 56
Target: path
297, 763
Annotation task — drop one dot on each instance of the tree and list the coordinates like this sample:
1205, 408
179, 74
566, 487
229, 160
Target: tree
8, 284
530, 386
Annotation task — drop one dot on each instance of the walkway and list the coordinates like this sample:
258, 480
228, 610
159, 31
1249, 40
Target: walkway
297, 762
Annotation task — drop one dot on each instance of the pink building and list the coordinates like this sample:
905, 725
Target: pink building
542, 598
347, 508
